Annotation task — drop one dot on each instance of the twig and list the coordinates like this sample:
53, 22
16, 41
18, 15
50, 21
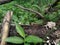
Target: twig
5, 27
27, 9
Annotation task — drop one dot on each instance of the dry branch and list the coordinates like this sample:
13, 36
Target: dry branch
27, 9
5, 27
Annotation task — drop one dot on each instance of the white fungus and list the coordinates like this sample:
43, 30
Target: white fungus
51, 25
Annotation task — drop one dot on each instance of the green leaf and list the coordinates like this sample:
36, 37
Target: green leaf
15, 18
15, 39
33, 39
20, 30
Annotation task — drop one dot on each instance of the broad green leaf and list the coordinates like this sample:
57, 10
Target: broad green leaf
20, 30
33, 39
15, 39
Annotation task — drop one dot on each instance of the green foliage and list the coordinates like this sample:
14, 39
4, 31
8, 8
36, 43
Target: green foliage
28, 39
53, 17
33, 39
20, 30
25, 17
17, 40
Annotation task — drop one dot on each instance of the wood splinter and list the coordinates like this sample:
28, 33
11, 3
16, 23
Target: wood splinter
5, 27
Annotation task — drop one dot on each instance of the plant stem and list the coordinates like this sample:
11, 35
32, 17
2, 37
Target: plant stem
34, 43
24, 41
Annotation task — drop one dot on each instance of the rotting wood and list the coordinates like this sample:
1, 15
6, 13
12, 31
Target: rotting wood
5, 27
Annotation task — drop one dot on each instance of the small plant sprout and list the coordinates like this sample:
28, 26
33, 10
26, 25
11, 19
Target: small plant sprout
26, 40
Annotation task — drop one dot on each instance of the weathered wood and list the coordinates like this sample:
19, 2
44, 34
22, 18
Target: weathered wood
5, 27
